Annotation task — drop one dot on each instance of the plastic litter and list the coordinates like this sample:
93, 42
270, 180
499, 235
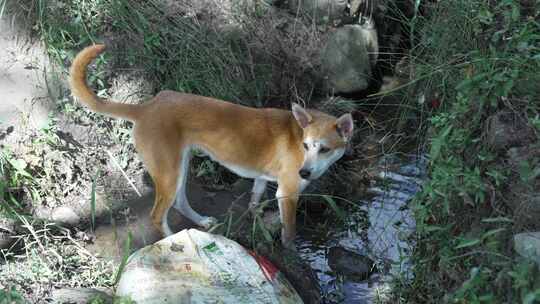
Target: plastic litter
192, 266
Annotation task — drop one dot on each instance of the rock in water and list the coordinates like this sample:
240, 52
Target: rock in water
345, 61
350, 264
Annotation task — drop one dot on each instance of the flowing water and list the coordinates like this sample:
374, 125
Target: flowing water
379, 228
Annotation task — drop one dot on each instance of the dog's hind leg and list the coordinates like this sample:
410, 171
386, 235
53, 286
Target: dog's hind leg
181, 202
259, 186
165, 185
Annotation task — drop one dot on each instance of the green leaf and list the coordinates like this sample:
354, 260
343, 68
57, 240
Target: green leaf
431, 228
468, 243
340, 213
500, 219
531, 297
93, 203
265, 232
492, 232
438, 142
125, 257
19, 165
525, 171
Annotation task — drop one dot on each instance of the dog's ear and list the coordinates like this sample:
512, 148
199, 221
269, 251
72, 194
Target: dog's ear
345, 125
302, 116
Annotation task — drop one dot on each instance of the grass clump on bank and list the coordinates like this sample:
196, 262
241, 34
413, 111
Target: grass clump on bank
482, 59
172, 51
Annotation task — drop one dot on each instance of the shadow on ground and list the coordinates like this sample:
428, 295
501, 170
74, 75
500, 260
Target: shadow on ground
112, 232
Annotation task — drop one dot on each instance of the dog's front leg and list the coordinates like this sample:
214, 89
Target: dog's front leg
259, 186
287, 195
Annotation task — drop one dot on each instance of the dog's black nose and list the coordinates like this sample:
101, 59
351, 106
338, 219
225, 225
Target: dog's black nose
304, 173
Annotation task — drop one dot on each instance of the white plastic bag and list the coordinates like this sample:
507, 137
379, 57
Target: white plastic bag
198, 267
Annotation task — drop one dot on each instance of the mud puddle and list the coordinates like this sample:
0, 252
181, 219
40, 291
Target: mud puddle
378, 229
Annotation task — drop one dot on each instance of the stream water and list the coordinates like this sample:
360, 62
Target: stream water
378, 228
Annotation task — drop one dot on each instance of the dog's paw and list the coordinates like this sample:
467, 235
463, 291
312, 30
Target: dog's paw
208, 222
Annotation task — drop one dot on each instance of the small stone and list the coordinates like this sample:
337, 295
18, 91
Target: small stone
350, 264
527, 244
79, 296
65, 215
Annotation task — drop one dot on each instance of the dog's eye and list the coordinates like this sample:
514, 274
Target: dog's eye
305, 146
324, 150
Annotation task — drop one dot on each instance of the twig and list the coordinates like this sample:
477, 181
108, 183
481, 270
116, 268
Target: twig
123, 173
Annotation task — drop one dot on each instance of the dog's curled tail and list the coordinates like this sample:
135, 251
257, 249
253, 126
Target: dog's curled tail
80, 89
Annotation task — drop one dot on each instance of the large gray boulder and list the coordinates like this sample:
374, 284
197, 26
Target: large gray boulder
345, 61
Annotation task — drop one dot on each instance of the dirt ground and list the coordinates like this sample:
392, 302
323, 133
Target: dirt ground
110, 236
23, 66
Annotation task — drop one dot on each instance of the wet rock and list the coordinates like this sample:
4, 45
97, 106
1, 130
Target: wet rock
79, 296
527, 244
321, 11
350, 264
508, 129
345, 61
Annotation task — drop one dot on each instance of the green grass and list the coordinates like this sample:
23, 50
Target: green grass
11, 296
15, 183
471, 59
168, 49
478, 58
